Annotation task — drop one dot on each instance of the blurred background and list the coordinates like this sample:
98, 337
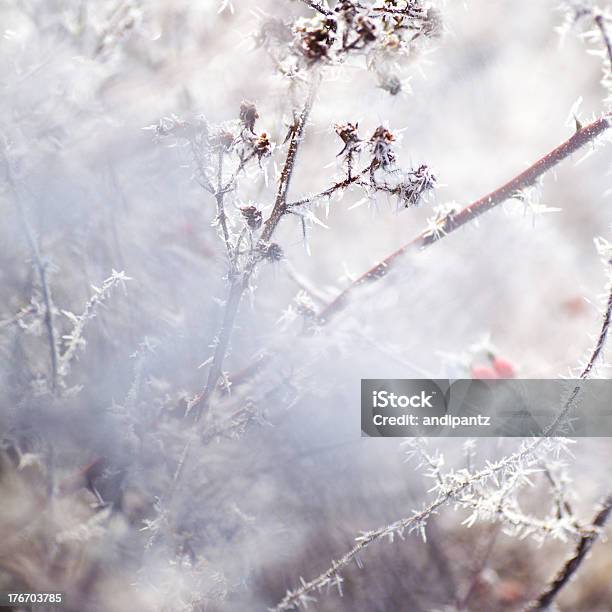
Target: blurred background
279, 493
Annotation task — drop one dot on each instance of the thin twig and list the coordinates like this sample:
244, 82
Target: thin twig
240, 282
221, 216
571, 566
318, 7
601, 339
601, 24
454, 221
24, 312
343, 184
587, 369
297, 131
41, 268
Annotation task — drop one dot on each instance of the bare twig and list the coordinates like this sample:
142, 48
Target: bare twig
41, 268
339, 186
221, 216
454, 221
601, 24
601, 339
317, 6
571, 566
240, 282
24, 312
297, 131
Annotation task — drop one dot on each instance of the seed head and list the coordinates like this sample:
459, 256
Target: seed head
271, 252
418, 182
315, 37
252, 216
381, 142
349, 135
262, 146
223, 140
248, 115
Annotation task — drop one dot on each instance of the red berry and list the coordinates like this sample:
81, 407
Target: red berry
503, 368
483, 373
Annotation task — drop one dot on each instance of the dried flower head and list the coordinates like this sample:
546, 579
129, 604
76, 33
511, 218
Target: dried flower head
381, 142
272, 251
315, 37
349, 134
222, 140
248, 115
365, 28
416, 185
253, 217
262, 146
390, 83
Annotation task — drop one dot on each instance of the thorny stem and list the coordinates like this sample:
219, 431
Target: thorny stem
297, 131
318, 7
349, 180
404, 12
41, 268
455, 220
601, 339
600, 22
587, 369
240, 282
293, 598
581, 551
24, 312
485, 203
221, 216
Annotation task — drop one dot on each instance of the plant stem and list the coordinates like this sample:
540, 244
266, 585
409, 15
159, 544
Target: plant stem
570, 567
599, 21
454, 221
239, 282
349, 180
317, 7
221, 216
41, 268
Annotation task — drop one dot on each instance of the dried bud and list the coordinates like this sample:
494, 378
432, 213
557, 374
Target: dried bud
271, 251
417, 183
315, 37
381, 142
262, 145
248, 115
347, 9
252, 216
365, 29
349, 135
223, 140
390, 83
